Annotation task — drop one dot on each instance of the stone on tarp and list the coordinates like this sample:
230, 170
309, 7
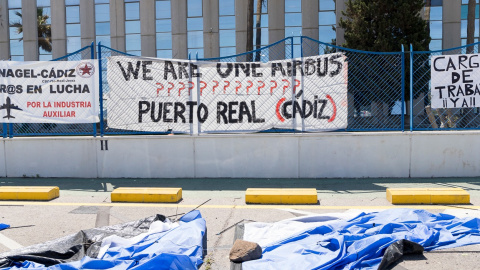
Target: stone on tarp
243, 251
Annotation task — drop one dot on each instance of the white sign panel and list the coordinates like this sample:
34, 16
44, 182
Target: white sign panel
455, 81
147, 94
49, 91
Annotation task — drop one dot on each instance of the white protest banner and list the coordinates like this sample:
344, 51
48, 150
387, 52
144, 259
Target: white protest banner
147, 94
455, 81
49, 92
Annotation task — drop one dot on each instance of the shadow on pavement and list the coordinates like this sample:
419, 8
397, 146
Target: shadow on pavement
368, 185
407, 257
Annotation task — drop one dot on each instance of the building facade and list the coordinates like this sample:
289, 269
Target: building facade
175, 28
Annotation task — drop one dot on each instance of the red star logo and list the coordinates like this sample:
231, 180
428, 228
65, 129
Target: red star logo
86, 70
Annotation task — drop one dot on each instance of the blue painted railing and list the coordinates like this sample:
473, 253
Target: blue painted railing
376, 89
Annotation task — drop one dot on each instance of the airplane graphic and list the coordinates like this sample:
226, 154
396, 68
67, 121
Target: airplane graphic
8, 106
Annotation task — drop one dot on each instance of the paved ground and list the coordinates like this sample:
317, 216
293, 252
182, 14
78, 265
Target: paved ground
85, 203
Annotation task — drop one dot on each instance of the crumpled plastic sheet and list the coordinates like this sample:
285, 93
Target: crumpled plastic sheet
164, 246
397, 250
360, 243
4, 226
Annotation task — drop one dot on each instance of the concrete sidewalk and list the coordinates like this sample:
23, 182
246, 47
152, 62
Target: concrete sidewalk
85, 203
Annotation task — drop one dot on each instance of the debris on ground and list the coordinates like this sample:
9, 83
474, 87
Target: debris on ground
150, 243
331, 242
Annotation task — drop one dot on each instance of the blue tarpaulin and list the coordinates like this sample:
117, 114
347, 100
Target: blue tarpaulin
359, 243
177, 248
4, 226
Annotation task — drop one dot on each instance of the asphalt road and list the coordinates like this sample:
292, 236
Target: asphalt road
85, 203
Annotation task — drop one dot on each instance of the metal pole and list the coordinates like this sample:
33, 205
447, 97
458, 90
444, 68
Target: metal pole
92, 56
100, 90
403, 88
292, 84
301, 46
411, 88
302, 81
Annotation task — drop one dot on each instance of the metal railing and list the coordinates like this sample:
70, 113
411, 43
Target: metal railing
377, 99
375, 86
280, 50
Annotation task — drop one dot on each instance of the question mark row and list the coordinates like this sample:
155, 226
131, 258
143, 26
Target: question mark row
226, 84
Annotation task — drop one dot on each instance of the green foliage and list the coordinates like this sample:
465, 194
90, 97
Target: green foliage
44, 30
383, 25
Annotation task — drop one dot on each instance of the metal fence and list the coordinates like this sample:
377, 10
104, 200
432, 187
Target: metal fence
422, 115
280, 50
375, 86
377, 96
103, 54
283, 49
51, 129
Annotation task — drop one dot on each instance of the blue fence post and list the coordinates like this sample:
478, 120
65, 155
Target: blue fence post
10, 130
292, 85
92, 56
100, 90
411, 88
403, 88
301, 46
291, 44
5, 127
302, 80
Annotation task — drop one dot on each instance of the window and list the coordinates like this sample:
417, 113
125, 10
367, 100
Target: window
227, 27
132, 27
16, 42
436, 28
45, 31
293, 24
195, 28
163, 26
260, 22
327, 21
74, 41
102, 22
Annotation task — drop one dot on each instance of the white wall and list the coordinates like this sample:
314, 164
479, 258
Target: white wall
445, 155
146, 157
355, 155
321, 155
49, 157
247, 156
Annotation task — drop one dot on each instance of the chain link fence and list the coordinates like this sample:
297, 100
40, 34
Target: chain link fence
250, 96
361, 91
191, 95
114, 112
115, 107
375, 99
375, 88
423, 115
282, 49
54, 129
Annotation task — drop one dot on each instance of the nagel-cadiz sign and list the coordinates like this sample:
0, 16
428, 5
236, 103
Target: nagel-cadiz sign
49, 92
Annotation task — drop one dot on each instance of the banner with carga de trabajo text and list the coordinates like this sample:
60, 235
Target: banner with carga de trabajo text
147, 94
455, 81
49, 92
